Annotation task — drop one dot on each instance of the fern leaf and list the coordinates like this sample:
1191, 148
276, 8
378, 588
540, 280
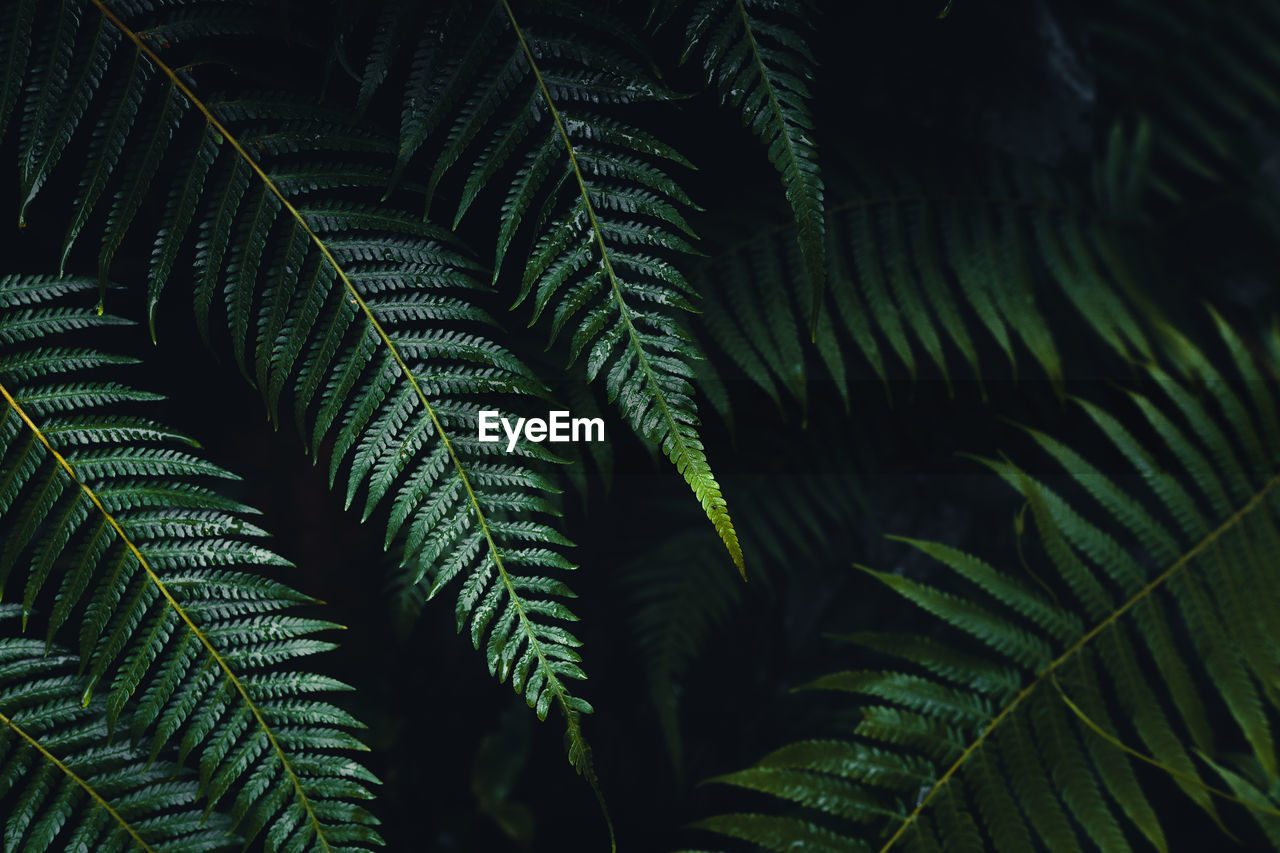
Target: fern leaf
1024, 740
106, 144
906, 254
647, 380
608, 215
354, 312
65, 88
138, 176
18, 20
393, 384
72, 788
180, 627
754, 55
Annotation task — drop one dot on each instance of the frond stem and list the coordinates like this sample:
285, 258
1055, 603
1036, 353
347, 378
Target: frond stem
624, 312
571, 717
1049, 671
71, 774
182, 613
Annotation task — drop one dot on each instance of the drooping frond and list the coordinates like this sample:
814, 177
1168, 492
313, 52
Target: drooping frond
69, 786
1148, 611
109, 527
363, 316
755, 57
934, 265
609, 230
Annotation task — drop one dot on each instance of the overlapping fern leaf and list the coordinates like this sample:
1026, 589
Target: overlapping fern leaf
1143, 626
109, 528
359, 313
755, 56
68, 785
609, 231
937, 266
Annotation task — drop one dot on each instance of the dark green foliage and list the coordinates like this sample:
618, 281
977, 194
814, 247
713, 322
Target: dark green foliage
937, 261
361, 313
1024, 728
678, 599
360, 198
185, 643
1203, 72
756, 57
78, 792
609, 230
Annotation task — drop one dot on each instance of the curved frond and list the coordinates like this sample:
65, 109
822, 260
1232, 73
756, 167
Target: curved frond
110, 528
609, 223
1151, 595
364, 316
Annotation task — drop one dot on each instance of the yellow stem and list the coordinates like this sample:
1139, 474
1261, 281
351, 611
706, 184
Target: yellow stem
1119, 744
553, 680
133, 833
182, 614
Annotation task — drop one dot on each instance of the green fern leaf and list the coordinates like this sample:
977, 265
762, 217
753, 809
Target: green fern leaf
1022, 744
906, 254
18, 19
70, 786
179, 624
755, 57
607, 213
352, 309
107, 144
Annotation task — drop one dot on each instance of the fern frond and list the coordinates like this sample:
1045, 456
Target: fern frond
755, 56
178, 623
69, 786
1032, 749
608, 213
933, 266
361, 314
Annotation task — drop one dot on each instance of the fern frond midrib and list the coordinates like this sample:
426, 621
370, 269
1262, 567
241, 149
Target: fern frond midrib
99, 800
1049, 672
571, 716
623, 310
164, 590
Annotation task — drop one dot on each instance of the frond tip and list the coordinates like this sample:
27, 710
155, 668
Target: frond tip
755, 56
541, 92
